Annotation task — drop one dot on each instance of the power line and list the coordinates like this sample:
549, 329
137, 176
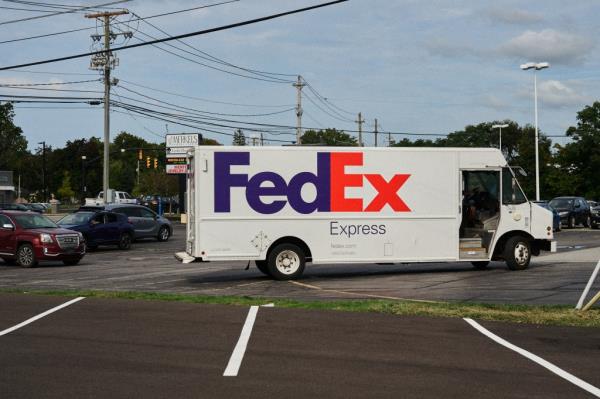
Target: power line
48, 84
70, 11
55, 73
118, 23
182, 36
204, 99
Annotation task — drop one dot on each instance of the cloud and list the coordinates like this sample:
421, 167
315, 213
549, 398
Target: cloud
450, 49
556, 94
548, 45
514, 17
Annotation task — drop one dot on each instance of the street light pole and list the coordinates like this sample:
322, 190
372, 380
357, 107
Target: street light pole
536, 67
43, 143
83, 187
500, 134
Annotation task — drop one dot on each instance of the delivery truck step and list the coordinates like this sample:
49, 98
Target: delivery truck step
473, 253
470, 243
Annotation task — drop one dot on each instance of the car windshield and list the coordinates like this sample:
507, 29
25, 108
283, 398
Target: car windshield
76, 218
561, 203
35, 222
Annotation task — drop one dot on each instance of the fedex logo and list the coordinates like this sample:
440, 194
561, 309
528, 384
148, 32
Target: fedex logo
330, 182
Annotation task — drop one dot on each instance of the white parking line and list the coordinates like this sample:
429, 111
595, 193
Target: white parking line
46, 313
238, 352
555, 369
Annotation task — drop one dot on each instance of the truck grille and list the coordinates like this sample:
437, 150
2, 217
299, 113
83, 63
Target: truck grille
68, 241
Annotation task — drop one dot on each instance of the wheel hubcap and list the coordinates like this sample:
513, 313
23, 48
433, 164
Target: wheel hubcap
287, 262
165, 234
26, 256
521, 253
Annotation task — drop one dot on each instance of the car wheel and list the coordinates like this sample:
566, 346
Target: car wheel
163, 233
286, 262
125, 241
588, 222
517, 253
480, 265
26, 256
9, 261
262, 265
571, 223
71, 262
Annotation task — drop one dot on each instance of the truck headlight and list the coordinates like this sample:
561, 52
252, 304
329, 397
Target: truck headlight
46, 238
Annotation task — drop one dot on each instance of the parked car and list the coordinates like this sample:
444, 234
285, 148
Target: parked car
168, 204
14, 207
27, 238
146, 222
100, 228
556, 216
35, 208
595, 213
572, 211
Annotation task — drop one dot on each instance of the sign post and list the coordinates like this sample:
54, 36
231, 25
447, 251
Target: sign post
177, 164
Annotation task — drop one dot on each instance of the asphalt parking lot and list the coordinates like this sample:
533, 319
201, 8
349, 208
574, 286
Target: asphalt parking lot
150, 266
118, 348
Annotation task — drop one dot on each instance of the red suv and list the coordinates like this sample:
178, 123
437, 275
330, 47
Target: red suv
27, 238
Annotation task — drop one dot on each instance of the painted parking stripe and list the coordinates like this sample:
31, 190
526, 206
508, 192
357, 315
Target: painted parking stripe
46, 313
544, 363
240, 348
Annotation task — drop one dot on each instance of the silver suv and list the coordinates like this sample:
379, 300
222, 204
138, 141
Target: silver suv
146, 222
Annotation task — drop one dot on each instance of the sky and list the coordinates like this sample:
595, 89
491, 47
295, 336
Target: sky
419, 67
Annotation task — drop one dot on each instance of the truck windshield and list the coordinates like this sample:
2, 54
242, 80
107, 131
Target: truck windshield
511, 191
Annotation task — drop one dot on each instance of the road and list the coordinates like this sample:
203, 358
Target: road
150, 266
121, 349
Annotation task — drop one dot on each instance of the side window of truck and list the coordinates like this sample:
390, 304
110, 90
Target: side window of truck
511, 192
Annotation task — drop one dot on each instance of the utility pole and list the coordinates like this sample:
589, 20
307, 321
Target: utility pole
106, 61
299, 85
43, 143
360, 122
262, 139
376, 132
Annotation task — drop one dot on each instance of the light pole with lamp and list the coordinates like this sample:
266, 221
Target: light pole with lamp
83, 187
500, 133
536, 67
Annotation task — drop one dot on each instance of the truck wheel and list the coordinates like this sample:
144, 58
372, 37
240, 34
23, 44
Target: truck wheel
26, 256
480, 265
163, 233
517, 253
125, 241
262, 265
571, 223
588, 221
286, 262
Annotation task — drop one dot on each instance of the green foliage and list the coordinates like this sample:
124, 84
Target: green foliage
13, 145
328, 137
239, 138
156, 182
65, 192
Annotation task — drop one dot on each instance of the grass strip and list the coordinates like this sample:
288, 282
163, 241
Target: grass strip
545, 315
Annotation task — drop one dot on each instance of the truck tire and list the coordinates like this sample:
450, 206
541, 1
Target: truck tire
262, 265
286, 262
480, 265
26, 256
517, 253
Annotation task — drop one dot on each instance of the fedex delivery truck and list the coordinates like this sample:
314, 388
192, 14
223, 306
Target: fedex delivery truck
285, 206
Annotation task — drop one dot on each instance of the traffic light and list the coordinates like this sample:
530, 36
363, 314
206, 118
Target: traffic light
147, 162
155, 163
140, 154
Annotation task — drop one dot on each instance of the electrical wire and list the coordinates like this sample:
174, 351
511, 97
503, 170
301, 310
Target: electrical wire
182, 36
61, 12
117, 23
48, 84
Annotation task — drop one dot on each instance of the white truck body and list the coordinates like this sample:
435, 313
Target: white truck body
114, 197
358, 205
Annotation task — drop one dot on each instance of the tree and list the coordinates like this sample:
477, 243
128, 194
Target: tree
328, 137
239, 138
579, 161
65, 192
13, 145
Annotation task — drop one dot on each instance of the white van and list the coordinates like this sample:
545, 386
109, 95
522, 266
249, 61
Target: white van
285, 206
